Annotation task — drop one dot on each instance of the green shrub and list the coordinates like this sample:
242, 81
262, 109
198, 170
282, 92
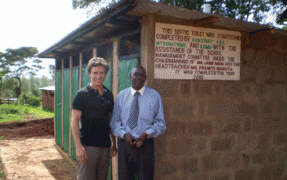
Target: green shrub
9, 109
30, 100
12, 109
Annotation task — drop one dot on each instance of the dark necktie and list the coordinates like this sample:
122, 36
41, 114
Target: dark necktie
134, 114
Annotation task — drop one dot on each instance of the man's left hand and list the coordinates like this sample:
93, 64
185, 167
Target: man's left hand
140, 141
114, 151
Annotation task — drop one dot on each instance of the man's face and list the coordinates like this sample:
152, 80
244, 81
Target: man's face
138, 77
98, 75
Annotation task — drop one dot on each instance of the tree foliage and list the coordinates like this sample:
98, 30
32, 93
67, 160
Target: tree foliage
81, 4
15, 64
189, 4
93, 7
282, 14
247, 10
242, 9
17, 60
30, 85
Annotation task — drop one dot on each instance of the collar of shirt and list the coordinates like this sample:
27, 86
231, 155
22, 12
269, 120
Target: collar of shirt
141, 91
96, 91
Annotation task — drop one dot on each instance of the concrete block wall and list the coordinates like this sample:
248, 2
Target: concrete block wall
227, 130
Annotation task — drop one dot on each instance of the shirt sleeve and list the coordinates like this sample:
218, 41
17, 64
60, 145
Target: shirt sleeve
116, 123
78, 102
158, 126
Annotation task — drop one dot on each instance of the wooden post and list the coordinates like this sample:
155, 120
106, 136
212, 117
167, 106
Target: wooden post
115, 83
62, 100
55, 101
147, 45
70, 105
115, 88
80, 70
95, 52
80, 75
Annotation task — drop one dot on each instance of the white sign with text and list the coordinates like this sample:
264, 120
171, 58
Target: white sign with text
186, 52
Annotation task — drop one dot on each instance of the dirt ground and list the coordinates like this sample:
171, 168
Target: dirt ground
27, 129
27, 152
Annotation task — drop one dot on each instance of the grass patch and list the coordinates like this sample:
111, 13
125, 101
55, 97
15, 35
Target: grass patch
9, 113
40, 113
11, 117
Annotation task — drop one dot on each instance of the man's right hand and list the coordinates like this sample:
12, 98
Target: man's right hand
129, 139
81, 154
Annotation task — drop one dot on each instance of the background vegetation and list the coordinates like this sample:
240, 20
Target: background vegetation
30, 85
13, 112
18, 68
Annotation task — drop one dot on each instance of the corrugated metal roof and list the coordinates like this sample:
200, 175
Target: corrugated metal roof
48, 88
75, 39
96, 27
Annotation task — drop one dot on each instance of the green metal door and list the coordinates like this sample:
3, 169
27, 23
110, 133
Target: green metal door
75, 88
125, 67
85, 77
108, 80
58, 111
66, 110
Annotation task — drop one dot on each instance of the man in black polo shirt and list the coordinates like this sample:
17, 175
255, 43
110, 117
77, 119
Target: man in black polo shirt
92, 107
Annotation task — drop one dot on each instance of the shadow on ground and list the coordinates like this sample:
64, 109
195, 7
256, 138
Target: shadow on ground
60, 169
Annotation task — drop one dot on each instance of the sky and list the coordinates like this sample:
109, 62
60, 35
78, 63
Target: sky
37, 23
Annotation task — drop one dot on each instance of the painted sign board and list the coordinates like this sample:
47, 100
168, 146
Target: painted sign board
187, 52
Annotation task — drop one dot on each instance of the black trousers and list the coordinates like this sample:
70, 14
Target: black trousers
133, 160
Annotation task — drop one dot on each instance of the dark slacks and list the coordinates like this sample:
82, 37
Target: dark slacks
97, 165
133, 160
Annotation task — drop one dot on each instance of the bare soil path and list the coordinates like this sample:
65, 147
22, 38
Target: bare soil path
27, 152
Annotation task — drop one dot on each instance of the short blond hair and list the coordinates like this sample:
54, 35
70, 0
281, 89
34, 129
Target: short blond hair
97, 61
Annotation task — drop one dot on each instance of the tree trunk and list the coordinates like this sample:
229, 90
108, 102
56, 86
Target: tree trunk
18, 90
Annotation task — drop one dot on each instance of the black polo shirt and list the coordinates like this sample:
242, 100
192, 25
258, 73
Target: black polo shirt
95, 121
